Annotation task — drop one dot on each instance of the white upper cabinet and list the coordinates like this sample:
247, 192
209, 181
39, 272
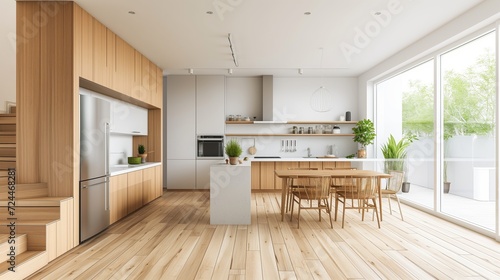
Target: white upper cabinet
181, 120
128, 119
210, 114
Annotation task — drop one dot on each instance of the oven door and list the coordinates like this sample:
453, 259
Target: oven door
210, 147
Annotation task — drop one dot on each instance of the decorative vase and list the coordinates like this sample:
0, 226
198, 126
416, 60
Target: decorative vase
143, 157
233, 160
361, 153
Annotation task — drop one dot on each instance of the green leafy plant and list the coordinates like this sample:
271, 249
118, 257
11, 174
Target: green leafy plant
233, 148
364, 132
141, 149
396, 151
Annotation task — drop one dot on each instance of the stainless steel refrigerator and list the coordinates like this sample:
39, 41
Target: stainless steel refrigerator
94, 165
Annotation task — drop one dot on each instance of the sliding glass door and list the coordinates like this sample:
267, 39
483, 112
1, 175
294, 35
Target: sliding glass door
468, 90
447, 107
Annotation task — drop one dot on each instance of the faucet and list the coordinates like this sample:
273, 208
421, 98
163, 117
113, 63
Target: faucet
309, 152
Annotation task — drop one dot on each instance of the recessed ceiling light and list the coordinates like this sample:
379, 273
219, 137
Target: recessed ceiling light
210, 12
307, 13
377, 13
131, 12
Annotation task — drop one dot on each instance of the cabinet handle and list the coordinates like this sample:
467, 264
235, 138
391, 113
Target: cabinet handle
135, 131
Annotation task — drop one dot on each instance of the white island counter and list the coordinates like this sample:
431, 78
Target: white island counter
230, 191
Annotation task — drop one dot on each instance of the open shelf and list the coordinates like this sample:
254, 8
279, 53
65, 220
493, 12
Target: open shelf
296, 122
287, 134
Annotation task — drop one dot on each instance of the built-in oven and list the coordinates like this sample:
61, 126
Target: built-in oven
210, 146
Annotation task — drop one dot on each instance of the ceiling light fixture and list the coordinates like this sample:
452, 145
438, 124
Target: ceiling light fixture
301, 71
131, 12
307, 13
230, 71
377, 13
210, 12
191, 71
232, 49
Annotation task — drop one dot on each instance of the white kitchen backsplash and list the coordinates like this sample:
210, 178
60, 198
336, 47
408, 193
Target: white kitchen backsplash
120, 147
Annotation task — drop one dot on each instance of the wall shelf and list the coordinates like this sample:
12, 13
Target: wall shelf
297, 122
287, 134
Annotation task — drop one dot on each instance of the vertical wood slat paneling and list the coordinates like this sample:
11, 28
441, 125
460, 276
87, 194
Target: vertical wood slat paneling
28, 95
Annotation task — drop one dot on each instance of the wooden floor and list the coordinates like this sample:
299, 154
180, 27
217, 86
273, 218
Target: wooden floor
171, 238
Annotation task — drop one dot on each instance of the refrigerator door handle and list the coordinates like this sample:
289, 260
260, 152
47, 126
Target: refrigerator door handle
106, 202
106, 148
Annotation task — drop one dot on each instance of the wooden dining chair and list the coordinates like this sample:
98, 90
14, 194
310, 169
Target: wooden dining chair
295, 183
316, 195
337, 182
364, 192
394, 184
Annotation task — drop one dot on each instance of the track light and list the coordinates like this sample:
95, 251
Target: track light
191, 71
230, 71
301, 71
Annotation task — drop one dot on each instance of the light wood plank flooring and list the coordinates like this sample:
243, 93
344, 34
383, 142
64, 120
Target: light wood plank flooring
171, 238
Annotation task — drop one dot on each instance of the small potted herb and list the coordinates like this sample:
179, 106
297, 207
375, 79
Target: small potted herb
233, 151
142, 153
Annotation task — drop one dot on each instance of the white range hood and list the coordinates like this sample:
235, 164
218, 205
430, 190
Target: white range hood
267, 101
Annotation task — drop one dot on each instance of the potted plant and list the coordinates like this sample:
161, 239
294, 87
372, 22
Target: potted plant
364, 134
233, 151
395, 155
142, 153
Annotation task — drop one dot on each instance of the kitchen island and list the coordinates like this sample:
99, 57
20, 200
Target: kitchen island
230, 193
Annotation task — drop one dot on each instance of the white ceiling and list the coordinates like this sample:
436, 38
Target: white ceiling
273, 36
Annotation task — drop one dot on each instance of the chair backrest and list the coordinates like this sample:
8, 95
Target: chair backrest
359, 187
304, 181
319, 186
396, 180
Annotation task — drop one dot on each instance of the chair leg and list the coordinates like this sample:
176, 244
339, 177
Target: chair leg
291, 212
399, 205
329, 212
319, 210
343, 214
376, 211
389, 201
336, 206
298, 216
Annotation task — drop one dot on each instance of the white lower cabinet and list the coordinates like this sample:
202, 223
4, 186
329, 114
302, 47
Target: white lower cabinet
203, 172
181, 174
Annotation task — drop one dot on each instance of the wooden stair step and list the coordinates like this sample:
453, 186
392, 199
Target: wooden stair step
11, 159
7, 139
52, 201
9, 145
20, 244
26, 223
31, 213
8, 127
27, 190
7, 118
4, 165
27, 263
7, 152
8, 133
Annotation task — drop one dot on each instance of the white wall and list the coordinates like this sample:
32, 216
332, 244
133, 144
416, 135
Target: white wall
7, 53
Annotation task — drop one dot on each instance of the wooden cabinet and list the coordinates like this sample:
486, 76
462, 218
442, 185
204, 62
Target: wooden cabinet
134, 192
118, 200
158, 181
148, 185
124, 67
87, 48
181, 137
210, 113
263, 177
129, 192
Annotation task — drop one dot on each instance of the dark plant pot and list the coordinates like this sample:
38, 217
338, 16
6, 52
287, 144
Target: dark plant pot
406, 187
446, 187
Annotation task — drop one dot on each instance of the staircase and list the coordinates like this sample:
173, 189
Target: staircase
7, 142
37, 227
